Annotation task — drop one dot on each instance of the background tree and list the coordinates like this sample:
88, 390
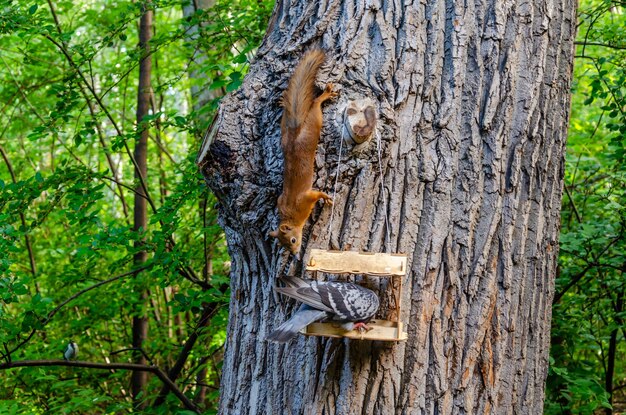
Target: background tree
473, 102
140, 211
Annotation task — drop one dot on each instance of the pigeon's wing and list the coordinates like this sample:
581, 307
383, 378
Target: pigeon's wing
349, 302
306, 294
295, 282
303, 317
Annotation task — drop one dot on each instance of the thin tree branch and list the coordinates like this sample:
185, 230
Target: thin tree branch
206, 385
207, 313
580, 275
134, 191
202, 361
595, 16
57, 308
604, 45
29, 248
92, 287
108, 366
7, 356
135, 349
20, 89
571, 201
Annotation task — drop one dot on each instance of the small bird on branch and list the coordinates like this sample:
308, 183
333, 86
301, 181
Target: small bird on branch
71, 351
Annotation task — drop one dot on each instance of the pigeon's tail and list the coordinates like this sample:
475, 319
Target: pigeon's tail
303, 317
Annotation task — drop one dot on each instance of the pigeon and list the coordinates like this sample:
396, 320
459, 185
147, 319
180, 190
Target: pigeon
71, 351
343, 302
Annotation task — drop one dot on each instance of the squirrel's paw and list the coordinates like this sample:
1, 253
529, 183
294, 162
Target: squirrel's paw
327, 199
330, 91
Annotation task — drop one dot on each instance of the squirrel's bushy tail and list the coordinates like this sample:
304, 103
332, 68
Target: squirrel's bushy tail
300, 93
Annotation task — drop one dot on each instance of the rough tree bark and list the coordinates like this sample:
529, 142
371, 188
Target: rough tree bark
473, 101
140, 319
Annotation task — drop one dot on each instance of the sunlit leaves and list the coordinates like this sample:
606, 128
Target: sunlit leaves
67, 100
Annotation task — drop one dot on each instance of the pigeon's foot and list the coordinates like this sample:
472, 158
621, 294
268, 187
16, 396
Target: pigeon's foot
362, 327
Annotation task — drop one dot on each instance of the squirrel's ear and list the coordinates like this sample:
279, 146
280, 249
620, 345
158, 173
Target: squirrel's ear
285, 228
273, 234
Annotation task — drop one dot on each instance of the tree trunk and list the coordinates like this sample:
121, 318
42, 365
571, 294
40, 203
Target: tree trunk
199, 96
612, 354
140, 319
473, 102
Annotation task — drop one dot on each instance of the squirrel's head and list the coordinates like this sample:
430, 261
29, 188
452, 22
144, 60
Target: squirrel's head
289, 236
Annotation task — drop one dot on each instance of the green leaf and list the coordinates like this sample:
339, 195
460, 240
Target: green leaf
20, 289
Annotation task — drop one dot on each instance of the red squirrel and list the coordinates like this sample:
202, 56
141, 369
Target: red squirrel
300, 132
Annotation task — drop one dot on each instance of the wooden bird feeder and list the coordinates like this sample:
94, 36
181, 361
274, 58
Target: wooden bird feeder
393, 266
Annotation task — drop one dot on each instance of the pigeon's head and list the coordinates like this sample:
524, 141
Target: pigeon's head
289, 236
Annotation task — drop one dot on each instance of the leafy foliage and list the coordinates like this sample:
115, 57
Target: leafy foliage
588, 370
68, 92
